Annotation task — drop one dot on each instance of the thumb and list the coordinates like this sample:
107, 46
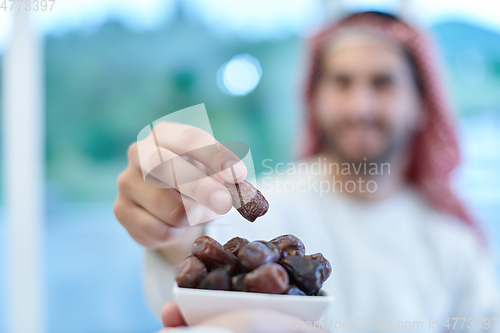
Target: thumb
171, 315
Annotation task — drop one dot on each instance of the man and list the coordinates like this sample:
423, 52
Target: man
402, 250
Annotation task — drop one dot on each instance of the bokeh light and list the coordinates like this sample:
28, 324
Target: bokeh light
240, 75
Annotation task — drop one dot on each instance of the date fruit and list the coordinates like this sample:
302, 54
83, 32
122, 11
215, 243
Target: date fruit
269, 278
237, 282
323, 261
293, 290
213, 254
289, 245
257, 253
234, 244
218, 279
306, 273
248, 200
190, 272
279, 266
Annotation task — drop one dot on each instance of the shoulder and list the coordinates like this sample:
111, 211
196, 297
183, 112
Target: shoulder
455, 249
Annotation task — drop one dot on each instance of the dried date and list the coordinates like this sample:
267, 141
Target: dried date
289, 245
306, 273
190, 272
279, 266
257, 253
213, 254
269, 278
319, 257
237, 282
218, 279
234, 244
248, 200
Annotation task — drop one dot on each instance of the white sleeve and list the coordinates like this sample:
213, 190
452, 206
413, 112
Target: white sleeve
159, 277
477, 293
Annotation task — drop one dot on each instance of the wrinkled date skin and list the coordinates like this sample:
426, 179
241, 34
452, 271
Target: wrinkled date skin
190, 272
269, 278
257, 253
213, 254
248, 200
218, 279
274, 253
235, 244
289, 245
323, 261
306, 273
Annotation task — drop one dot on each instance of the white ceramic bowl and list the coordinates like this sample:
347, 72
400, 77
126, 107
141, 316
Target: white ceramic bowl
199, 304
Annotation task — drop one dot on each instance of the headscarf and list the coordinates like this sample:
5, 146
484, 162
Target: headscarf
435, 151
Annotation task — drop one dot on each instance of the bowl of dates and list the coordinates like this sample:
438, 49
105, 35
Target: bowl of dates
275, 275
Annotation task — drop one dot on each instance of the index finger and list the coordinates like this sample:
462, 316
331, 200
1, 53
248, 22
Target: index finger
186, 140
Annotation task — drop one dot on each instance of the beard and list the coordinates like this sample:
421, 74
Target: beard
393, 142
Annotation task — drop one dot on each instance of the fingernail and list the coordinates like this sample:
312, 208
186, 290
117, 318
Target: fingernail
235, 169
220, 201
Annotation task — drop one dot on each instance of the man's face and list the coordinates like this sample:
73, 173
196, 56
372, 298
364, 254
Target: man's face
366, 102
